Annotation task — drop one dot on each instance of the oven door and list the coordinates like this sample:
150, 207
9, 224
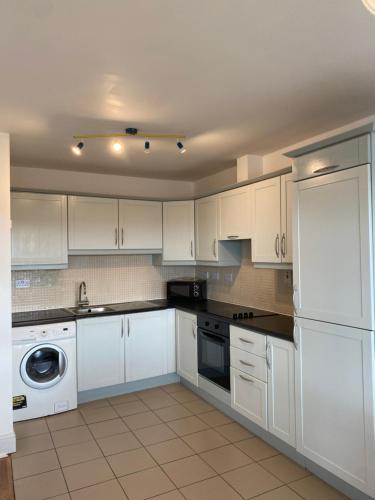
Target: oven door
213, 358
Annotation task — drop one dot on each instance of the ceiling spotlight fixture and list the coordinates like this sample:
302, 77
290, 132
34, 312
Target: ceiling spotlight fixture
77, 150
181, 147
370, 4
147, 146
117, 147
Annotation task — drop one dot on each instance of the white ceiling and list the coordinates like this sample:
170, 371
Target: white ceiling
235, 76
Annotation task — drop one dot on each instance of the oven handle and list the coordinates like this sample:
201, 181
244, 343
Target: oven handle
219, 338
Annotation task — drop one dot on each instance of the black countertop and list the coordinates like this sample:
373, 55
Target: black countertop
277, 325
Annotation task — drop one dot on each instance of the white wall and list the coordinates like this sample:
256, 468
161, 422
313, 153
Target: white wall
7, 438
39, 179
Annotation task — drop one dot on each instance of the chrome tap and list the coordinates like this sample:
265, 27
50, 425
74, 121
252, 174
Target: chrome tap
82, 297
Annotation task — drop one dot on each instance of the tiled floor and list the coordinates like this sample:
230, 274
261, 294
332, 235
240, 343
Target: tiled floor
163, 443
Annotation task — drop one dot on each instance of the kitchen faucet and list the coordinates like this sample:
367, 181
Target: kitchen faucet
82, 297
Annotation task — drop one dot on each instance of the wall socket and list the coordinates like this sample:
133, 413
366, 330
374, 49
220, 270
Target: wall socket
23, 283
228, 277
288, 278
204, 275
215, 275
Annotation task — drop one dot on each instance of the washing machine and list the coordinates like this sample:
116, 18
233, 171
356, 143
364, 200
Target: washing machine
44, 370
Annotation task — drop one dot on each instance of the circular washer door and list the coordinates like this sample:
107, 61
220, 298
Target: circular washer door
43, 366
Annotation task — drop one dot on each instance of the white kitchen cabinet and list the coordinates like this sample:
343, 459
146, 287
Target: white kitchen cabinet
149, 345
93, 223
206, 228
281, 389
178, 231
186, 344
140, 225
235, 214
39, 231
100, 352
335, 400
272, 220
333, 248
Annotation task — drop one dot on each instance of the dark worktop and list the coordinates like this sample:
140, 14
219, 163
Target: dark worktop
277, 325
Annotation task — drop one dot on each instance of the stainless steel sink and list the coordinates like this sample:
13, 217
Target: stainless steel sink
89, 310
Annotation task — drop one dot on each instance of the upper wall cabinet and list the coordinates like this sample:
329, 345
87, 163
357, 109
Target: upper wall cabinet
235, 214
178, 231
272, 216
206, 228
39, 231
140, 225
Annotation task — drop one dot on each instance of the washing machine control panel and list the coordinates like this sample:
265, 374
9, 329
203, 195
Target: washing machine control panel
55, 331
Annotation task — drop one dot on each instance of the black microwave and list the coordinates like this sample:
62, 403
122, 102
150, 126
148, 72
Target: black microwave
187, 289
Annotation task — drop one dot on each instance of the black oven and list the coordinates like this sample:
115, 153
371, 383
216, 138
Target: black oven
187, 289
214, 351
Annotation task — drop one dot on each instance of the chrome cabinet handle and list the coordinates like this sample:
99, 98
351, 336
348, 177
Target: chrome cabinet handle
246, 341
193, 330
62, 364
283, 245
214, 247
247, 379
294, 337
232, 236
128, 327
277, 245
122, 236
267, 358
324, 170
191, 248
293, 298
247, 364
116, 236
122, 327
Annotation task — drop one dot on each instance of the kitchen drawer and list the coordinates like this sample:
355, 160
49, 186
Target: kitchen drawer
249, 397
248, 341
249, 363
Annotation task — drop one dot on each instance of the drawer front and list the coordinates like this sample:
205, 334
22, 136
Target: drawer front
248, 341
248, 363
249, 397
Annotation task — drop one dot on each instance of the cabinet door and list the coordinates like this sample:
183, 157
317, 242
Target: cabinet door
178, 230
140, 224
235, 214
100, 352
186, 340
146, 345
332, 248
206, 228
266, 243
335, 400
286, 243
249, 397
281, 400
39, 229
93, 223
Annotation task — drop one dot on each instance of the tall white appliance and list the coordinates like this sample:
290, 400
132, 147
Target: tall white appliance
334, 309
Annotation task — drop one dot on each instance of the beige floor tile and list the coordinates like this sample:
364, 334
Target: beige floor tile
131, 408
30, 427
87, 473
98, 403
93, 415
171, 388
33, 444
108, 428
173, 413
35, 487
210, 489
172, 495
141, 420
154, 434
185, 396
132, 461
147, 393
110, 490
65, 496
168, 451
312, 488
35, 464
283, 493
123, 398
205, 440
74, 435
234, 432
146, 484
159, 401
187, 425
198, 406
76, 453
257, 449
251, 480
284, 469
215, 418
226, 458
188, 470
118, 443
65, 420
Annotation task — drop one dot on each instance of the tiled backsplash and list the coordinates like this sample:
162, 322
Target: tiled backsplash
124, 278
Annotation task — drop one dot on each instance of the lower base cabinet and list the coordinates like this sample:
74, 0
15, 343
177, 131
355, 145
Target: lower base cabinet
186, 344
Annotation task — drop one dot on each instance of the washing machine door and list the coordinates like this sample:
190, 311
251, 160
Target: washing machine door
43, 366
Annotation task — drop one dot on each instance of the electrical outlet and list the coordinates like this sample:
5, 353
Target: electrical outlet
228, 277
215, 275
288, 278
23, 283
204, 275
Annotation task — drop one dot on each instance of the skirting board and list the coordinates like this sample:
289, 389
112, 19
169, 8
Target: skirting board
7, 443
284, 448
